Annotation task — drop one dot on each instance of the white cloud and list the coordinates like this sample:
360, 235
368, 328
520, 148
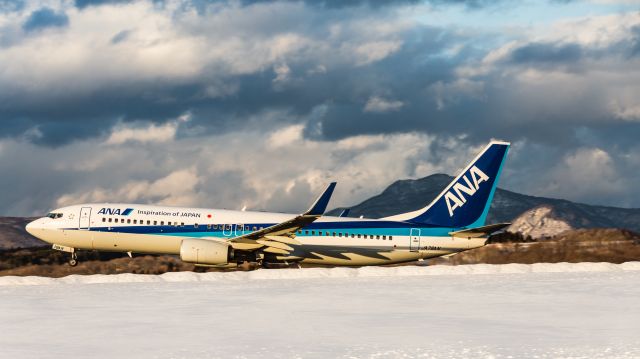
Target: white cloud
225, 171
379, 104
589, 174
150, 133
176, 43
374, 51
176, 188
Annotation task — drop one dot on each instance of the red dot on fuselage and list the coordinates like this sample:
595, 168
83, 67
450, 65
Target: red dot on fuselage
208, 216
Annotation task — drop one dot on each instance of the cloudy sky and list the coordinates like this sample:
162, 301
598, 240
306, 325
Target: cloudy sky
261, 103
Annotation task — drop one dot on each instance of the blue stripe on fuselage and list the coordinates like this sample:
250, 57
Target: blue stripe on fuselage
355, 227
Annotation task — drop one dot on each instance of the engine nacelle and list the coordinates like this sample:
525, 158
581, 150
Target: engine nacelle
202, 251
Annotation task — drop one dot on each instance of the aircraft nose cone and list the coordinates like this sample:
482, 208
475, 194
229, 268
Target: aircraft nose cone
32, 227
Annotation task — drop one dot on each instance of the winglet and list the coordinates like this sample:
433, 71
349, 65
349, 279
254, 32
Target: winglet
345, 212
320, 205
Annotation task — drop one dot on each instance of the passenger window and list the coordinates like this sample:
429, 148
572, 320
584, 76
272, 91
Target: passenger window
195, 225
306, 232
384, 238
129, 221
353, 235
181, 224
313, 233
162, 223
390, 237
340, 234
358, 236
104, 219
109, 220
208, 227
377, 237
148, 222
326, 234
334, 234
135, 221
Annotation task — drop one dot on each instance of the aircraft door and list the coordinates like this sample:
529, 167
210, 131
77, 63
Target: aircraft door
239, 229
85, 218
227, 229
414, 240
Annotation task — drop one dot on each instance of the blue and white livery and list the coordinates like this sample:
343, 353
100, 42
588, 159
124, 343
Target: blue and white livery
453, 222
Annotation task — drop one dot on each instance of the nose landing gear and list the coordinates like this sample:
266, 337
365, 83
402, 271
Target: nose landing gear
74, 259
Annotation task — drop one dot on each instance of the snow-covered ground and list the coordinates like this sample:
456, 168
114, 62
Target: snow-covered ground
589, 310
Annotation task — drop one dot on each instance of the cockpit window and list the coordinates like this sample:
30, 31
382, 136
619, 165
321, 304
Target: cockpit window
54, 215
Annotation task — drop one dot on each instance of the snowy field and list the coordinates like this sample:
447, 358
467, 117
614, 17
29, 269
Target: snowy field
588, 310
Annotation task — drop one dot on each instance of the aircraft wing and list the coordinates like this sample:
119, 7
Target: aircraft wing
279, 237
479, 231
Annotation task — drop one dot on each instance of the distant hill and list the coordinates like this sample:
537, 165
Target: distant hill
409, 195
13, 234
573, 246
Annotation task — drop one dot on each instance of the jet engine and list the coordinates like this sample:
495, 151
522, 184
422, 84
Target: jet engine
206, 252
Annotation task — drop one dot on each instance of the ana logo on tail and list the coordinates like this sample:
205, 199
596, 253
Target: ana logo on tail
456, 199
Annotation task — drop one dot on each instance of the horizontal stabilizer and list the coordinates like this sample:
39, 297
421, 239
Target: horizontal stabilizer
480, 231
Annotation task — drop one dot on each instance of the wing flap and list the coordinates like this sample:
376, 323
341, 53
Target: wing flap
275, 250
246, 246
284, 239
275, 244
480, 231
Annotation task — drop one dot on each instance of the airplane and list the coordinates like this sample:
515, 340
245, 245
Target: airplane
452, 223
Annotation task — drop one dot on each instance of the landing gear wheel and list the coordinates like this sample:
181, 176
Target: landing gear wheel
74, 259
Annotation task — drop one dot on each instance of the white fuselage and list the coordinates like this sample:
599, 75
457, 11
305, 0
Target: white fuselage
159, 229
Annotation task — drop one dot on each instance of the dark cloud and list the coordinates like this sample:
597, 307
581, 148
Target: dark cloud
329, 4
81, 4
532, 94
635, 41
121, 36
547, 53
11, 5
45, 18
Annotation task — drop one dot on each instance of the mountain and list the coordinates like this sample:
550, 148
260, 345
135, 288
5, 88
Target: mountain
409, 195
13, 234
539, 222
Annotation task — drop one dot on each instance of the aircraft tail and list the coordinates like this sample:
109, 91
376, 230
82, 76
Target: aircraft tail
465, 201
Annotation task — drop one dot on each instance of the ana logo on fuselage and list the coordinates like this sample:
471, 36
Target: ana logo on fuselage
455, 197
115, 211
